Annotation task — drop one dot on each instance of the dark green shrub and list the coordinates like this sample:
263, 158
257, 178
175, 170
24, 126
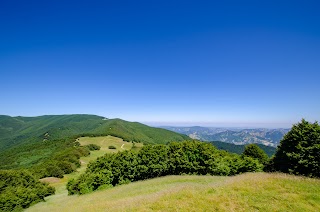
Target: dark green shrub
249, 164
112, 147
298, 152
89, 182
253, 151
53, 170
93, 147
66, 167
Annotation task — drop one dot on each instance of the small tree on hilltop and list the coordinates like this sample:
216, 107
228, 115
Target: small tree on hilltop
254, 151
299, 150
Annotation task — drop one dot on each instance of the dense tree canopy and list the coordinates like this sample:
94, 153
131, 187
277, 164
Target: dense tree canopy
19, 189
299, 150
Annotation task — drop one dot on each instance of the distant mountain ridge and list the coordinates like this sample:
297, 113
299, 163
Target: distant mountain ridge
24, 130
268, 137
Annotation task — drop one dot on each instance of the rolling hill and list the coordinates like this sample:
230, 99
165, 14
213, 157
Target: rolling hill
26, 141
23, 130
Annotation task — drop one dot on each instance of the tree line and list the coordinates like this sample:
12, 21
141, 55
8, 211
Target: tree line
188, 157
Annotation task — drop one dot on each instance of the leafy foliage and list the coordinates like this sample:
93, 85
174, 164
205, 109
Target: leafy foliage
63, 162
112, 147
298, 152
252, 150
19, 189
27, 155
189, 157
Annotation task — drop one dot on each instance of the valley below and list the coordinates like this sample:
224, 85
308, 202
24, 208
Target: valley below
238, 136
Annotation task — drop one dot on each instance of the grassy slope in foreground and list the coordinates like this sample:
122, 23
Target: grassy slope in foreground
247, 192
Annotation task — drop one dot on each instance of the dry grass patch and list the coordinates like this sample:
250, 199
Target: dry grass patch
50, 180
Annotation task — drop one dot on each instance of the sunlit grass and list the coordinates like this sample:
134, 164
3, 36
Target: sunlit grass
247, 192
104, 143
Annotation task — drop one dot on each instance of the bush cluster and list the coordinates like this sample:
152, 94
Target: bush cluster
188, 157
254, 151
93, 147
19, 189
64, 162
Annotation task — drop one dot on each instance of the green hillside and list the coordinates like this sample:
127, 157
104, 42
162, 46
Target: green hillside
25, 141
18, 130
240, 148
246, 192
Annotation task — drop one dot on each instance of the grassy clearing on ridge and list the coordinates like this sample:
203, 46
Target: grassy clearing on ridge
104, 142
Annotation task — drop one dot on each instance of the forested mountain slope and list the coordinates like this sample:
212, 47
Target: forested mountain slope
26, 130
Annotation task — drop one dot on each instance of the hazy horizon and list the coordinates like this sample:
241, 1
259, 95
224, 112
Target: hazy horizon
220, 125
188, 123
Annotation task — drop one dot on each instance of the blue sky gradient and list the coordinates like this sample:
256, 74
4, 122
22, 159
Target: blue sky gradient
209, 63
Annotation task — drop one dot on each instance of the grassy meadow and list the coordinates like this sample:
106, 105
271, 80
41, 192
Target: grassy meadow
246, 192
104, 142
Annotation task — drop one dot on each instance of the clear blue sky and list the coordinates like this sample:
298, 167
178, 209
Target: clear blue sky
236, 63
